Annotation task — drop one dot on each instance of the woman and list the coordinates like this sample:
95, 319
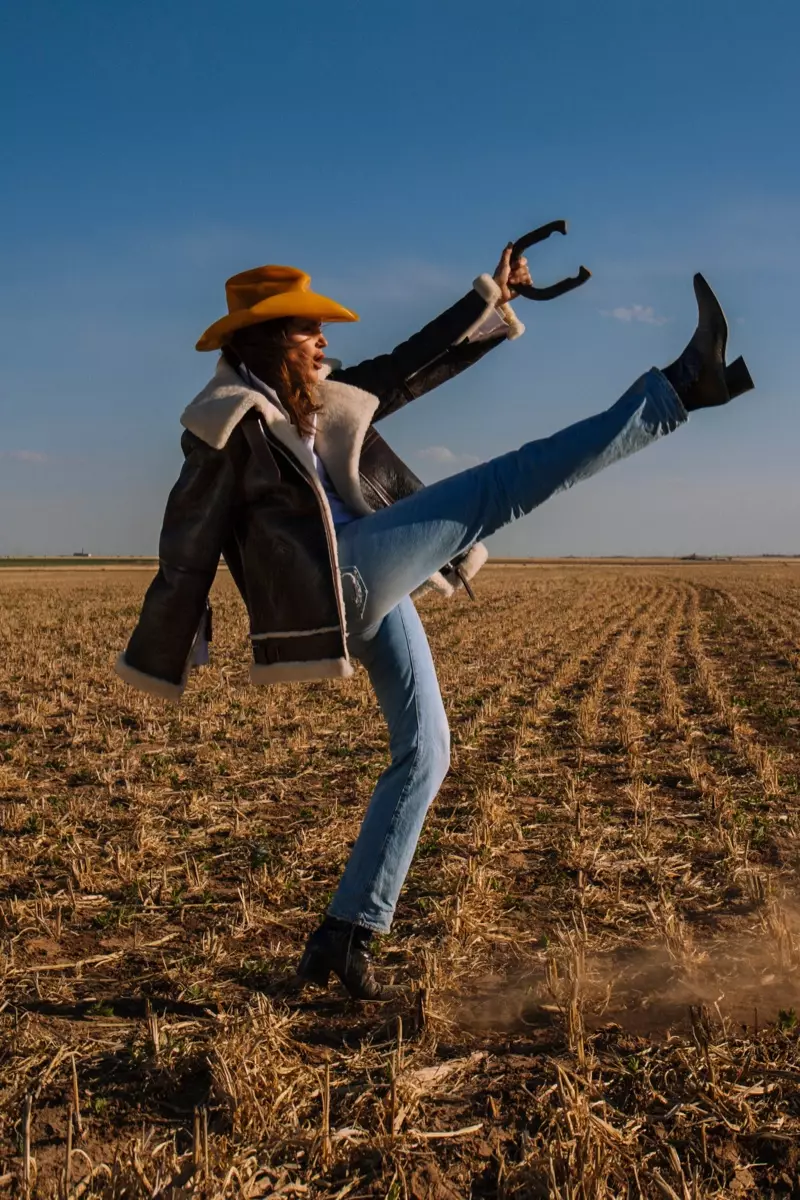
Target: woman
327, 534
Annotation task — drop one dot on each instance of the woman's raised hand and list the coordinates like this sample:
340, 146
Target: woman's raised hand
509, 273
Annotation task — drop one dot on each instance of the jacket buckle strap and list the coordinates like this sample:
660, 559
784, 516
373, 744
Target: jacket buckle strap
464, 583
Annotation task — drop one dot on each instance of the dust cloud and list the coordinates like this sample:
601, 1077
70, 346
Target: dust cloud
744, 978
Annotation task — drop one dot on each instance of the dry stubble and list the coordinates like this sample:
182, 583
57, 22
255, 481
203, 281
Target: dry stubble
600, 931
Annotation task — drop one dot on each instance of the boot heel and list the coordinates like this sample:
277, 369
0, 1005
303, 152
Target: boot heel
738, 378
314, 969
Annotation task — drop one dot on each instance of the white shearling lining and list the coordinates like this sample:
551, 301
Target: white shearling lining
469, 567
487, 288
300, 672
489, 291
515, 326
150, 684
435, 583
342, 425
225, 400
474, 560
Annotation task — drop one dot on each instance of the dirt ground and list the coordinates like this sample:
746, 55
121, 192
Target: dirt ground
599, 937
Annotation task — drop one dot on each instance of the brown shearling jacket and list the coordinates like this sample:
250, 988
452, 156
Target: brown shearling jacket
249, 491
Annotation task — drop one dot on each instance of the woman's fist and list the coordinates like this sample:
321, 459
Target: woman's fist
509, 273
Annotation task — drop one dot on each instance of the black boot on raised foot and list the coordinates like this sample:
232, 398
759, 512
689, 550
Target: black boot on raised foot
343, 949
699, 375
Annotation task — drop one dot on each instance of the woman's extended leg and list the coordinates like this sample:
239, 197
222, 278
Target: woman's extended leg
389, 554
383, 558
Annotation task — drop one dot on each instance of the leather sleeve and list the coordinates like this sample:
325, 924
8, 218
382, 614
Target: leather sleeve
384, 477
432, 356
196, 525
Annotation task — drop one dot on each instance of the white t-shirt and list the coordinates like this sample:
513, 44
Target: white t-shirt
341, 514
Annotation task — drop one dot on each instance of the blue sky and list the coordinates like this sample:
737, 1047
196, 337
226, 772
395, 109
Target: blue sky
153, 149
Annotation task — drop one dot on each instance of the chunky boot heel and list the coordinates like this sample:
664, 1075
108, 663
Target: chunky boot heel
738, 378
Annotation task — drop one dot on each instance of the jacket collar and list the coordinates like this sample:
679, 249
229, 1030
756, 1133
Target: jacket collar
342, 424
220, 406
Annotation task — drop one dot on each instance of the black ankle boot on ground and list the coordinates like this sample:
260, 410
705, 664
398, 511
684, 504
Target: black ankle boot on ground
342, 949
700, 376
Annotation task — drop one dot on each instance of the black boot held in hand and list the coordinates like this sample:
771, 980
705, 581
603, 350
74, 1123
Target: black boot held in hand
342, 949
699, 376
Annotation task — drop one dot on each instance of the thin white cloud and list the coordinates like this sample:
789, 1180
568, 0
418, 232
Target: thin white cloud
443, 456
26, 456
644, 313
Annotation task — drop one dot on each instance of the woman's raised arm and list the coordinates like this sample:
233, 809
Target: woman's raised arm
444, 347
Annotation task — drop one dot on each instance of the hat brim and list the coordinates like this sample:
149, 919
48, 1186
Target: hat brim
287, 304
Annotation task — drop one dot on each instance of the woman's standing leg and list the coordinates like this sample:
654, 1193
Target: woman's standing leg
401, 670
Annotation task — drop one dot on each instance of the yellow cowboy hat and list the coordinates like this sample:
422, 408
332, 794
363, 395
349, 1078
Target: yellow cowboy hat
266, 293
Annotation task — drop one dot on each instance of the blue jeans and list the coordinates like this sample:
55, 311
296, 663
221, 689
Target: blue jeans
389, 554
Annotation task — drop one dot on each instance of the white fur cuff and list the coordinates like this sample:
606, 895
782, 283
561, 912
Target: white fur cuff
489, 292
469, 567
150, 684
487, 289
515, 326
435, 583
473, 561
300, 672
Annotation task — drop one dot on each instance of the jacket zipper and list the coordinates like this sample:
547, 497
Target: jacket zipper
333, 555
376, 487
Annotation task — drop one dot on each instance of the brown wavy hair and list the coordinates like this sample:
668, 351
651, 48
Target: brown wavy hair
267, 344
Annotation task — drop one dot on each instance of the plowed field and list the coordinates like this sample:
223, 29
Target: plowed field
600, 934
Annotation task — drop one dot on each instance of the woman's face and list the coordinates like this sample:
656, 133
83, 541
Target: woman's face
306, 346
